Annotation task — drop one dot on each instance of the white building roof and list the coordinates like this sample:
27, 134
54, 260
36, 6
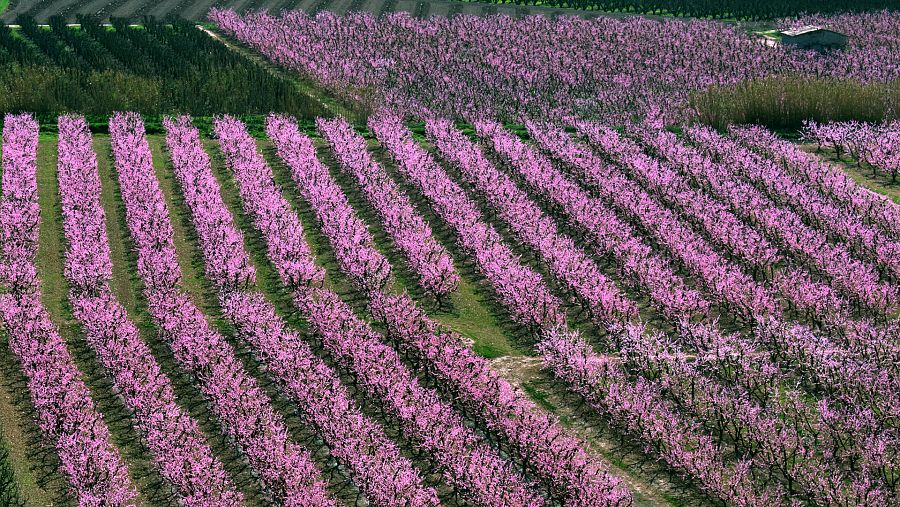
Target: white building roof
804, 29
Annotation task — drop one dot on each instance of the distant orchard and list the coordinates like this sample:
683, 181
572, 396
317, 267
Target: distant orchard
603, 68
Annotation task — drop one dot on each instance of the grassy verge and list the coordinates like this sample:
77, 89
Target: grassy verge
471, 318
121, 282
473, 311
880, 185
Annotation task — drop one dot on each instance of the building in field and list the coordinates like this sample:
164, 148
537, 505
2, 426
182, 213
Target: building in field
813, 37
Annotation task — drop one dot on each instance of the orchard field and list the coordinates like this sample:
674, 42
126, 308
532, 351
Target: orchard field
409, 260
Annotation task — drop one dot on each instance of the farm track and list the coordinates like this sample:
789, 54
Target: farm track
42, 10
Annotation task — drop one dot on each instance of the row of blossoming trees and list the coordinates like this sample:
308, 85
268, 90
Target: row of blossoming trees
744, 296
877, 146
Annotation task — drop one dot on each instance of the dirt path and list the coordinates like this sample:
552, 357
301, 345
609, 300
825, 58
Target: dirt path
527, 374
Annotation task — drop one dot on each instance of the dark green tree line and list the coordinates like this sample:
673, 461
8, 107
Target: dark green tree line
155, 68
732, 9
